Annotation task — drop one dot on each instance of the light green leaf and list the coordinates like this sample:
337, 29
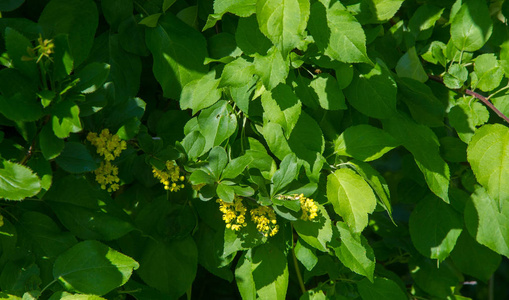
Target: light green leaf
286, 173
159, 262
434, 227
384, 9
93, 268
355, 252
283, 22
217, 161
410, 66
380, 289
487, 73
373, 92
272, 68
217, 123
17, 181
504, 55
241, 8
237, 73
75, 158
422, 142
488, 154
351, 197
317, 232
179, 52
244, 276
474, 259
471, 27
200, 93
270, 272
281, 106
327, 91
305, 254
194, 144
487, 222
465, 116
77, 18
338, 34
364, 142
65, 119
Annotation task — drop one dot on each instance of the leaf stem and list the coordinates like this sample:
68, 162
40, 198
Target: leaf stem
485, 100
500, 90
297, 270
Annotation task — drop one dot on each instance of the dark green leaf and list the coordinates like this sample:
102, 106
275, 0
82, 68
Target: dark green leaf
75, 158
380, 289
92, 77
364, 142
94, 268
270, 272
115, 11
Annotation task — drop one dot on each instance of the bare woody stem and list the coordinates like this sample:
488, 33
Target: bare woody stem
485, 100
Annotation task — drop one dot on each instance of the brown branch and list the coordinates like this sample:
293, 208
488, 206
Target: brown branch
485, 100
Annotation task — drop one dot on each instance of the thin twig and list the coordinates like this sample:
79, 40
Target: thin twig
485, 100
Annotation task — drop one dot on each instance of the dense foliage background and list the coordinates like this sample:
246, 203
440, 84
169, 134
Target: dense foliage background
272, 149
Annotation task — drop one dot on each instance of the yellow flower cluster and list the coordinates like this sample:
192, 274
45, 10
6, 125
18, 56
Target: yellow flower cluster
107, 176
234, 214
108, 146
308, 206
265, 220
170, 177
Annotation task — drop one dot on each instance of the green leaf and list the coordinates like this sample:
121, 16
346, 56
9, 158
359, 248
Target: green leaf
159, 262
92, 77
410, 66
17, 181
471, 27
236, 166
437, 280
92, 267
200, 93
328, 93
423, 19
270, 272
115, 11
318, 232
65, 119
244, 276
17, 46
376, 182
488, 154
384, 10
364, 142
354, 252
380, 289
453, 149
456, 76
338, 34
237, 73
287, 172
424, 106
474, 259
18, 101
373, 91
194, 144
434, 227
45, 234
151, 21
305, 254
77, 18
241, 8
465, 116
75, 158
487, 73
487, 222
10, 5
281, 106
422, 142
217, 123
283, 22
171, 44
272, 68
504, 55
250, 39
125, 70
217, 161
351, 197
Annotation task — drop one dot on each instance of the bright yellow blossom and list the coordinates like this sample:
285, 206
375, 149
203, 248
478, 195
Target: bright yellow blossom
170, 177
265, 219
308, 206
108, 145
234, 214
